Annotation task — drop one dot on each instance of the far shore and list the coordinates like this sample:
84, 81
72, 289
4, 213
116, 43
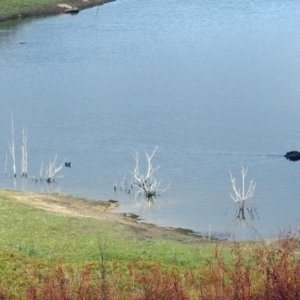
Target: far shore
21, 9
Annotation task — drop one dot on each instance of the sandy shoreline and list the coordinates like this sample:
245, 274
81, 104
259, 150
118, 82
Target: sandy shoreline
103, 211
53, 9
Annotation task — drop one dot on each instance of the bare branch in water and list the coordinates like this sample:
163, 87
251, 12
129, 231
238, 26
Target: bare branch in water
24, 154
146, 184
241, 196
12, 146
50, 170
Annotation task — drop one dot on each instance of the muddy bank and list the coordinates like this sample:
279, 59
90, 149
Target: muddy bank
103, 211
52, 8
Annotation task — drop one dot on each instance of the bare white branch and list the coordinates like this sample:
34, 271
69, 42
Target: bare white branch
12, 146
24, 154
41, 171
124, 186
146, 184
240, 196
50, 170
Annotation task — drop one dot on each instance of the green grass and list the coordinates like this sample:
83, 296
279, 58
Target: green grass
41, 234
46, 251
34, 241
16, 7
13, 9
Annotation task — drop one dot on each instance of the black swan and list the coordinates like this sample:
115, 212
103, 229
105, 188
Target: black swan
293, 155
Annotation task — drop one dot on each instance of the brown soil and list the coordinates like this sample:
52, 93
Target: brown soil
103, 211
53, 8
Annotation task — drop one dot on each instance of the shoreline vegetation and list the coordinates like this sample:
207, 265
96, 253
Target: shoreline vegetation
103, 211
19, 9
61, 247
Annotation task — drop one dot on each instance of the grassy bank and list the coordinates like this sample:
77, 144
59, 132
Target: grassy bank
64, 247
15, 9
69, 229
44, 231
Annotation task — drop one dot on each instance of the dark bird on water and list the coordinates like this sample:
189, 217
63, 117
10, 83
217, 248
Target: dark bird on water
68, 164
293, 155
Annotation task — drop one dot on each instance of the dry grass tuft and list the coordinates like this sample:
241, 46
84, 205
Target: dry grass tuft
258, 273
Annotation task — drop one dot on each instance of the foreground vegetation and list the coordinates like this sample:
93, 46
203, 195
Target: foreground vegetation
62, 247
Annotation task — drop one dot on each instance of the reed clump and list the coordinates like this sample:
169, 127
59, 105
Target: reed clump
256, 271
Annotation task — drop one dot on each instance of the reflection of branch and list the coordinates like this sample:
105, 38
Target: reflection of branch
250, 213
226, 209
124, 186
252, 230
5, 165
256, 213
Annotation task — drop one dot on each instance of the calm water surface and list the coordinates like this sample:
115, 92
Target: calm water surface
214, 84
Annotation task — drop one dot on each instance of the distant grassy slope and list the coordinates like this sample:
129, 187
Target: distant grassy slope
12, 9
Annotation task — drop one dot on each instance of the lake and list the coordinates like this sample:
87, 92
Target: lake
214, 84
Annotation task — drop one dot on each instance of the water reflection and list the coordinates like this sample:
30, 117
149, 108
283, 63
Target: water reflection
9, 30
